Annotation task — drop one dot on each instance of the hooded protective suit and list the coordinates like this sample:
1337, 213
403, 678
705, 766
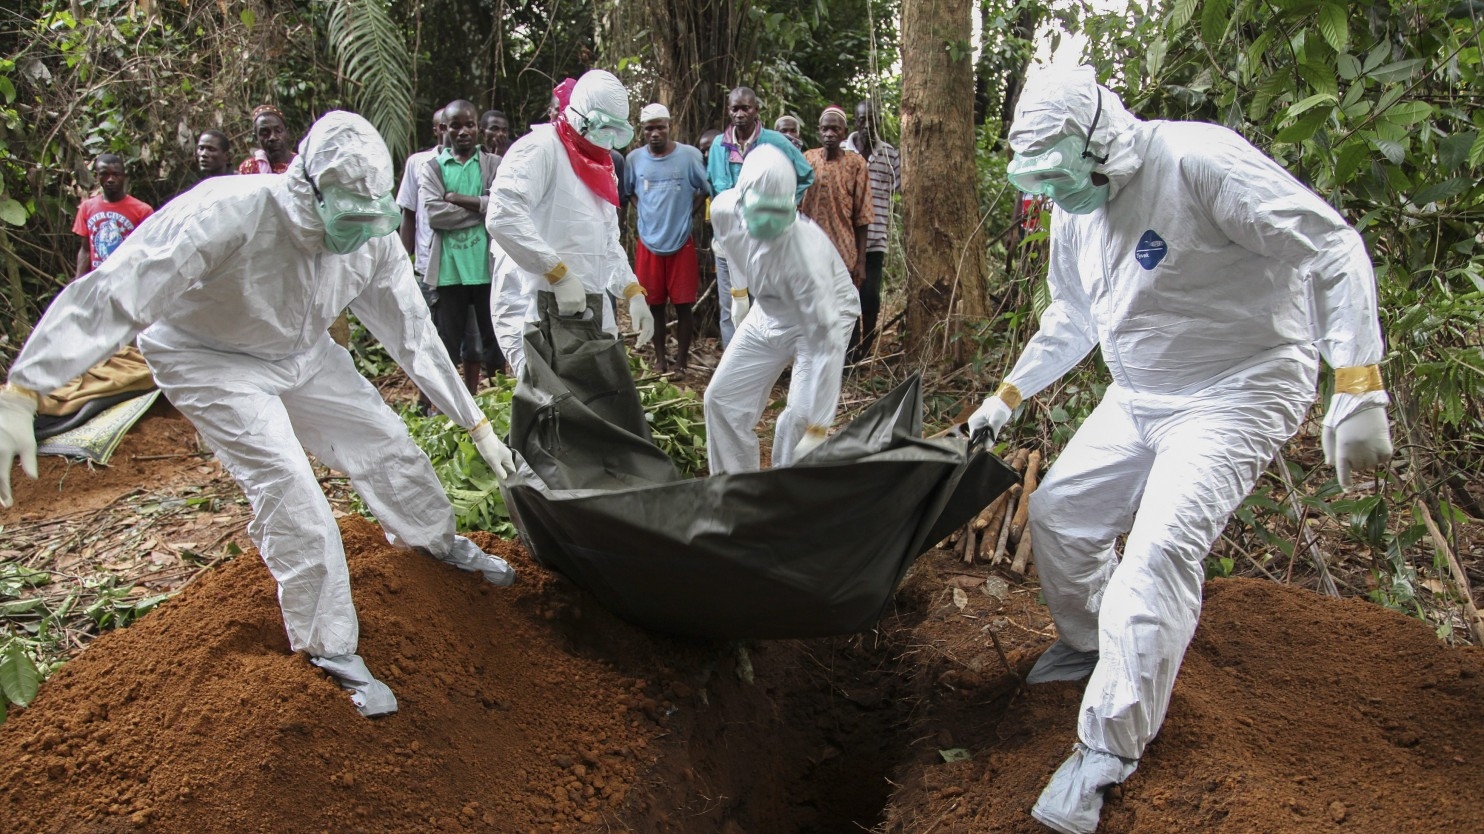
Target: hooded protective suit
1212, 281
804, 309
230, 290
552, 225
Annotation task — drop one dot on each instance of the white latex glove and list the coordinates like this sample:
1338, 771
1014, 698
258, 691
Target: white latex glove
992, 415
1360, 441
740, 307
17, 438
642, 318
495, 453
571, 295
811, 439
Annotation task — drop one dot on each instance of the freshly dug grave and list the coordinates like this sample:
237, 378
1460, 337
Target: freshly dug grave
529, 709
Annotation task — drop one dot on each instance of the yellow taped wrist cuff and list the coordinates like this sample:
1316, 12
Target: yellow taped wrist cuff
481, 424
1361, 379
23, 391
1009, 395
633, 289
817, 431
742, 293
556, 273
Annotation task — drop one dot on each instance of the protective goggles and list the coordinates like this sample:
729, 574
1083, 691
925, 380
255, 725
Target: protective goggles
1061, 169
605, 129
352, 219
767, 217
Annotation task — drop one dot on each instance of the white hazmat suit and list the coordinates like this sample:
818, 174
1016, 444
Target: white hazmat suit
559, 232
1212, 281
230, 289
804, 308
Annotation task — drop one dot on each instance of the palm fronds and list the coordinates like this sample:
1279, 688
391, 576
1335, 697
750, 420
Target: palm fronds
372, 58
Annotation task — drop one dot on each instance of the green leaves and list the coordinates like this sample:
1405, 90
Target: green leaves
372, 56
1334, 26
12, 212
1215, 15
19, 677
1181, 14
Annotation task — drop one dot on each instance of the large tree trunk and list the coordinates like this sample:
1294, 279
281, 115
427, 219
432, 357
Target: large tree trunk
697, 50
945, 243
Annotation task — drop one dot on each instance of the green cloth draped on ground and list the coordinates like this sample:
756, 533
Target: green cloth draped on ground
809, 550
96, 439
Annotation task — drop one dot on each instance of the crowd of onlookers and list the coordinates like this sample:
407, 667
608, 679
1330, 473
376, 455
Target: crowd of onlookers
845, 186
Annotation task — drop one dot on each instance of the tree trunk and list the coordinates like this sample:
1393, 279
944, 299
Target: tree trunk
944, 240
697, 50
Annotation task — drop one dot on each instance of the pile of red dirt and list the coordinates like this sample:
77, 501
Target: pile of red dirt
528, 709
1292, 713
199, 719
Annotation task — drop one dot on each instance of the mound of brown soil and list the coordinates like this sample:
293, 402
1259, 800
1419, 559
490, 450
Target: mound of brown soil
198, 719
1292, 713
528, 709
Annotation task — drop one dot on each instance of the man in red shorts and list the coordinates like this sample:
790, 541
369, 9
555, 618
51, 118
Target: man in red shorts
666, 181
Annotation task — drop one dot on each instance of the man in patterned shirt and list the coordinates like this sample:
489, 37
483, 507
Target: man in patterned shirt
885, 166
840, 201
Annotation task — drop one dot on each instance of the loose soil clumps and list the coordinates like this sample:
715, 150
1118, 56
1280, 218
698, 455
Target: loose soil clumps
1292, 713
530, 709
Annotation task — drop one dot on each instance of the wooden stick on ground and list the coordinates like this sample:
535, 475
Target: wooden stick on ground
1021, 549
1004, 540
1471, 612
1032, 471
989, 531
967, 545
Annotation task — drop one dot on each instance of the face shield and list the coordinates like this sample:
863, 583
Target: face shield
1063, 172
767, 216
352, 219
603, 129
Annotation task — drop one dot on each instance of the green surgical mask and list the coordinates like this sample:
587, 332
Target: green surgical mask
606, 130
1084, 200
767, 217
351, 219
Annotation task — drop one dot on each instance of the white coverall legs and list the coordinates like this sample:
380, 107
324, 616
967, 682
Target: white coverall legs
743, 382
255, 414
1176, 468
509, 309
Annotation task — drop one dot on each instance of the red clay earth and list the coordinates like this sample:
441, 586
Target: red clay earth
529, 709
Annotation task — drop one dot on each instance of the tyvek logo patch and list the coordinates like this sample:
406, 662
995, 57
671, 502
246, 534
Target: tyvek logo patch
1151, 250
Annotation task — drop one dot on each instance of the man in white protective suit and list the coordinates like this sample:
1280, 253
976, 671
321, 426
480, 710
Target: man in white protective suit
230, 288
1213, 282
553, 208
805, 309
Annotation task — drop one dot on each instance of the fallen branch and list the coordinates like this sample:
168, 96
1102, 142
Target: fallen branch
1032, 470
1004, 541
1471, 612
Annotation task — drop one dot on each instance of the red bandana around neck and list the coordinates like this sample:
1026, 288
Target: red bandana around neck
592, 164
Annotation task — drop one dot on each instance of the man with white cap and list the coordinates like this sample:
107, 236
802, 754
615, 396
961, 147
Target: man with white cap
805, 305
667, 183
230, 288
553, 208
1213, 282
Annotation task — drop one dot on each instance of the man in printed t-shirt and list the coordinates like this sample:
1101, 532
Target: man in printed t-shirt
105, 220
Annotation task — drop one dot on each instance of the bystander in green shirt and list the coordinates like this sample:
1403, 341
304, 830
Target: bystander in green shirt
465, 252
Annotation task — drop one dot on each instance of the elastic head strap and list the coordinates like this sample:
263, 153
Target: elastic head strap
1096, 115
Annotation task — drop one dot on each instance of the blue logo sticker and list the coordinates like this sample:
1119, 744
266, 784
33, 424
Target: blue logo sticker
1151, 250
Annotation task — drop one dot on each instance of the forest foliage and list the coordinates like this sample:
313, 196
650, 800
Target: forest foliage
1375, 104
